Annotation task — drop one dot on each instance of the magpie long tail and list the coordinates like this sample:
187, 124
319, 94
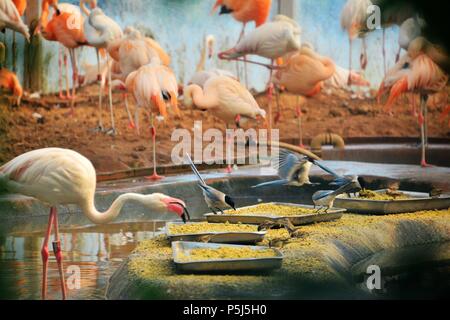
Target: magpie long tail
271, 183
194, 169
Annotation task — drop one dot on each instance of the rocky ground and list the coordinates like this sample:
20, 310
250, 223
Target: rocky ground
45, 122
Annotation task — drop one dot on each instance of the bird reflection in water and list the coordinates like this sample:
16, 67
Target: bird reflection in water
96, 251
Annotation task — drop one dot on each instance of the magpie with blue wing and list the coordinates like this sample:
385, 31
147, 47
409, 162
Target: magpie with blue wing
293, 169
346, 184
215, 199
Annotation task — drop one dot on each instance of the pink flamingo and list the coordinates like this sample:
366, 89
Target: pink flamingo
61, 177
152, 85
415, 73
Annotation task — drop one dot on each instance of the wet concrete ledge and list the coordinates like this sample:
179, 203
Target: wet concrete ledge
18, 213
318, 265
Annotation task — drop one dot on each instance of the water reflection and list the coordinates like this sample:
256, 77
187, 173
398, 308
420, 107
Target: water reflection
97, 251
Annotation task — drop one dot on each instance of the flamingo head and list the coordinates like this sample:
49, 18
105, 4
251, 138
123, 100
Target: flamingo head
93, 4
413, 74
188, 95
54, 4
396, 80
162, 202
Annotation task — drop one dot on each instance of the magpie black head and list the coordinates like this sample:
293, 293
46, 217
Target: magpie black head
230, 202
225, 10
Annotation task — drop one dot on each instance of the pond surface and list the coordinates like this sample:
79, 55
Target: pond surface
97, 251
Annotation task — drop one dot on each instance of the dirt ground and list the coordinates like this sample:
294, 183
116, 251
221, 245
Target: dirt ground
337, 112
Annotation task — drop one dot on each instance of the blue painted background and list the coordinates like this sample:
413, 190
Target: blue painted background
180, 27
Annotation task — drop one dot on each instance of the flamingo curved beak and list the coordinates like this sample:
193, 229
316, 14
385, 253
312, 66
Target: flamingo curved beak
397, 89
160, 104
179, 207
216, 5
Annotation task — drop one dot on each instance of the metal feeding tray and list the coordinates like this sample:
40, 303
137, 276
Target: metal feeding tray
303, 219
216, 237
418, 201
223, 265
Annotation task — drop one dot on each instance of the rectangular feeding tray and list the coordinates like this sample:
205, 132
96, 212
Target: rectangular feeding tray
303, 219
216, 237
418, 201
223, 265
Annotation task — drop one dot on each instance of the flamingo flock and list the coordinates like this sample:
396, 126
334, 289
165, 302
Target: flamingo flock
140, 68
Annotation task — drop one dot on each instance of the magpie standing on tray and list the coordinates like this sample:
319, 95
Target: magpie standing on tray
215, 199
346, 184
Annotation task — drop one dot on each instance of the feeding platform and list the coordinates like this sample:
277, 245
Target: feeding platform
259, 214
409, 202
219, 258
210, 235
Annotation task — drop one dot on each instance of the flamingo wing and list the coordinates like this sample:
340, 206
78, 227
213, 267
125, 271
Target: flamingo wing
234, 97
10, 18
52, 175
271, 40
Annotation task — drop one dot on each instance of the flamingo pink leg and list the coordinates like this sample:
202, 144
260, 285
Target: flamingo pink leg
44, 252
66, 65
299, 117
155, 175
229, 169
277, 99
58, 254
269, 101
60, 62
100, 95
131, 124
384, 51
73, 60
423, 133
349, 81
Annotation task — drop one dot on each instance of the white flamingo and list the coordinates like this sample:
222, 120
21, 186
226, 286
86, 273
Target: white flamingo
271, 40
151, 86
101, 31
355, 16
62, 176
10, 18
226, 99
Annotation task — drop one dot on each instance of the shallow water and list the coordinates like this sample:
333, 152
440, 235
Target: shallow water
96, 251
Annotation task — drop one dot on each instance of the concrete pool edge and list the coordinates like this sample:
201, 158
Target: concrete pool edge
324, 268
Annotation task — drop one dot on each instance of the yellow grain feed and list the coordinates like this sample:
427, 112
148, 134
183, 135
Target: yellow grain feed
381, 196
205, 227
268, 209
226, 253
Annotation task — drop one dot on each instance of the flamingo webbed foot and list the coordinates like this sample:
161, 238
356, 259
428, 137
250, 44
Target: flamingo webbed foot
424, 164
155, 177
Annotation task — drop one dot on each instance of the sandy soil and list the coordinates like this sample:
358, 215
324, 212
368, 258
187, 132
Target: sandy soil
338, 113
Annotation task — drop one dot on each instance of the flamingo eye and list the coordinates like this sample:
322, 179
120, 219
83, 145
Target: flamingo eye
405, 65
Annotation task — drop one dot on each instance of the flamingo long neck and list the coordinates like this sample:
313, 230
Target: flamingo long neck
201, 63
103, 38
83, 8
200, 99
44, 15
109, 215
